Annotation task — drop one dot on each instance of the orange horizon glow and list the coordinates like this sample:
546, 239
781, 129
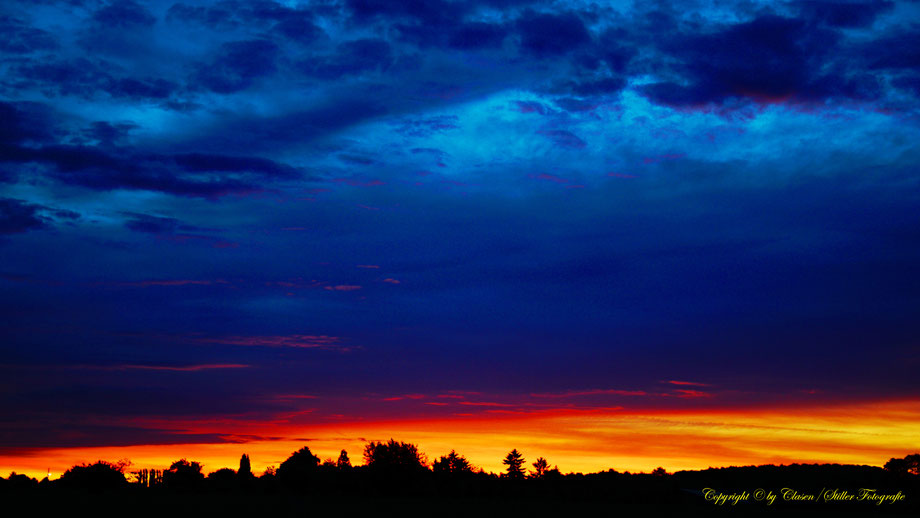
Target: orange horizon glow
576, 441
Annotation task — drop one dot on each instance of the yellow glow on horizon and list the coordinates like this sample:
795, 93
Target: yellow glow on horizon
861, 433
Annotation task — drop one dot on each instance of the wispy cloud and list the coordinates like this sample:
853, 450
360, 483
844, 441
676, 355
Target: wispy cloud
404, 396
170, 282
687, 383
301, 341
173, 368
687, 393
594, 392
343, 287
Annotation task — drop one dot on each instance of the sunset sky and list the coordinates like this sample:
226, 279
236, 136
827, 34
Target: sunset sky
616, 235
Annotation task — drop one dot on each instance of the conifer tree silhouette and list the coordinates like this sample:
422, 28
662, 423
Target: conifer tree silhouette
515, 462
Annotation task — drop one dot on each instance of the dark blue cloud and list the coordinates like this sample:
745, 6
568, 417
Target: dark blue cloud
843, 14
109, 134
197, 162
351, 57
297, 23
125, 14
108, 167
155, 224
17, 216
427, 12
223, 15
25, 122
20, 38
551, 34
909, 82
596, 86
97, 169
90, 79
299, 27
271, 132
769, 58
475, 35
894, 51
78, 77
237, 64
119, 29
141, 88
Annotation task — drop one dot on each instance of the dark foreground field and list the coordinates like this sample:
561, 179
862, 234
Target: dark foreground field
302, 506
742, 491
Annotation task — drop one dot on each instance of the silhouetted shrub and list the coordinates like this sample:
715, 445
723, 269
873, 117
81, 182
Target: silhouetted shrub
909, 465
452, 463
99, 476
183, 475
18, 483
224, 479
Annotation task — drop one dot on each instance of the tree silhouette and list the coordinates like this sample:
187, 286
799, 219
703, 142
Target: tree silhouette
659, 472
540, 468
393, 456
297, 470
344, 462
514, 460
909, 465
245, 471
183, 475
452, 463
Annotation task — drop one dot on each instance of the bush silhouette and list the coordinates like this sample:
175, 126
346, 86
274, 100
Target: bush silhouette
99, 476
452, 463
183, 475
224, 479
17, 483
909, 465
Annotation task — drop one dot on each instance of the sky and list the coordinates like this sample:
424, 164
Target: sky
617, 235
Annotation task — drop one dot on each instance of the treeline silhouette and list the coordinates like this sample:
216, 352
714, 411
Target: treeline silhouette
399, 470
